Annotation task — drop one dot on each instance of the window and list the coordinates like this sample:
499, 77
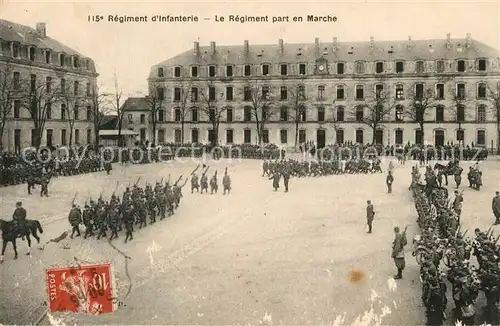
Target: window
194, 115
32, 53
339, 136
439, 91
34, 137
340, 68
399, 113
283, 93
229, 115
48, 111
161, 136
211, 71
63, 111
419, 91
194, 135
16, 80
481, 113
76, 112
283, 69
321, 93
76, 88
88, 89
419, 67
211, 115
440, 66
161, 115
48, 84
248, 70
265, 92
481, 137
89, 136
160, 93
400, 66
398, 136
460, 113
360, 92
461, 91
247, 113
88, 115
77, 136
460, 134
439, 113
302, 112
284, 136
265, 70
481, 91
461, 65
76, 62
63, 86
194, 95
265, 136
177, 71
177, 115
229, 93
284, 113
15, 50
360, 67
178, 136
194, 71
247, 136
321, 114
177, 94
229, 71
302, 69
17, 109
247, 94
62, 60
47, 56
340, 113
379, 67
359, 113
340, 92
379, 91
359, 136
301, 92
418, 137
33, 83
64, 140
160, 72
229, 136
211, 94
481, 65
399, 92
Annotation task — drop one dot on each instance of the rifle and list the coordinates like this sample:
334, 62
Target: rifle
74, 197
195, 169
206, 170
137, 182
168, 180
180, 177
116, 187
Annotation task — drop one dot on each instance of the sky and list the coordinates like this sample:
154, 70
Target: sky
130, 49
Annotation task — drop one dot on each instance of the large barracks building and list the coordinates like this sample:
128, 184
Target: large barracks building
330, 92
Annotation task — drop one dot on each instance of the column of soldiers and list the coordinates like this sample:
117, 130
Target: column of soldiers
201, 184
442, 242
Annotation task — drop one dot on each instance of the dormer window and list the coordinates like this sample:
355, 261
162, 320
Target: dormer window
265, 70
87, 64
283, 70
211, 71
177, 71
16, 50
248, 70
302, 69
340, 68
481, 65
76, 62
194, 71
48, 56
62, 59
461, 65
31, 53
360, 67
229, 71
419, 67
400, 66
379, 67
440, 66
160, 72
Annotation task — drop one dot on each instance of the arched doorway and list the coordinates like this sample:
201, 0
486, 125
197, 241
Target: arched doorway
438, 137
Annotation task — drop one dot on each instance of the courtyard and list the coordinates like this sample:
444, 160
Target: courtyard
253, 257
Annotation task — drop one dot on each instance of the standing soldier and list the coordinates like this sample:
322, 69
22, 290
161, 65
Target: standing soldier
276, 180
114, 221
440, 177
204, 182
129, 223
20, 217
265, 167
389, 180
495, 206
45, 186
398, 252
370, 214
87, 221
457, 204
286, 177
226, 182
194, 183
391, 166
458, 175
75, 218
213, 184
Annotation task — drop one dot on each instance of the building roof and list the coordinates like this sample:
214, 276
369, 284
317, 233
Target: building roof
124, 132
13, 32
136, 104
109, 122
361, 51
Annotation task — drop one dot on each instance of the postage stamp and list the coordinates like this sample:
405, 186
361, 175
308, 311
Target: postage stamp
81, 289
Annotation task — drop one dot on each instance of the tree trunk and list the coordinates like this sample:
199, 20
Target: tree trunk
2, 129
498, 140
154, 133
96, 134
296, 132
120, 141
182, 131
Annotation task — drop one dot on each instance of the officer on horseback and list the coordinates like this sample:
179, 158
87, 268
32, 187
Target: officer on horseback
19, 217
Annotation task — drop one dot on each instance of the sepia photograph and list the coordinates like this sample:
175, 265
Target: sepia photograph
250, 163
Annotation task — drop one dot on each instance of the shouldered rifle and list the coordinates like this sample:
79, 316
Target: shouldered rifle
137, 182
168, 180
74, 197
185, 181
116, 187
195, 169
176, 182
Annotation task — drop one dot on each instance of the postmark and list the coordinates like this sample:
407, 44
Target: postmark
87, 289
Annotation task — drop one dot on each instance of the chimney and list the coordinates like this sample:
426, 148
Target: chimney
212, 47
316, 46
281, 49
334, 44
246, 48
196, 50
468, 40
372, 43
41, 29
448, 41
410, 43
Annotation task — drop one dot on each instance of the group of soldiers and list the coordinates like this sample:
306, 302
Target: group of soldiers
442, 242
200, 184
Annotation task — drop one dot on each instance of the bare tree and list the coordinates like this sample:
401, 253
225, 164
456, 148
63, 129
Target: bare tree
115, 100
7, 95
458, 108
71, 101
334, 122
156, 103
187, 94
208, 98
297, 105
493, 96
37, 98
374, 109
421, 101
99, 107
261, 107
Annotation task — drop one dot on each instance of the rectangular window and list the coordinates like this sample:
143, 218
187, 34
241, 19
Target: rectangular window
481, 65
265, 92
89, 113
461, 65
284, 136
194, 94
265, 70
460, 113
247, 94
340, 68
248, 70
340, 92
419, 91
265, 136
177, 94
33, 83
89, 136
283, 69
460, 135
379, 67
379, 91
400, 66
177, 71
339, 136
63, 111
63, 86
47, 57
284, 113
76, 112
229, 71
229, 115
178, 136
77, 136
211, 71
143, 119
88, 89
177, 115
481, 91
160, 72
360, 67
439, 113
48, 111
399, 113
360, 92
212, 96
439, 91
247, 136
419, 67
76, 85
302, 136
62, 60
229, 136
17, 109
360, 136
161, 116
194, 115
48, 84
194, 71
461, 91
440, 66
16, 80
321, 114
31, 53
340, 113
302, 69
283, 93
321, 93
399, 136
130, 118
194, 135
399, 92
247, 114
64, 140
481, 138
160, 93
229, 93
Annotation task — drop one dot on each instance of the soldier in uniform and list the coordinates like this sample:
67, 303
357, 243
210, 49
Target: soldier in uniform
114, 221
457, 204
286, 177
226, 183
194, 183
495, 206
276, 180
45, 186
370, 214
204, 183
213, 184
265, 168
75, 218
87, 221
389, 180
129, 223
20, 217
398, 252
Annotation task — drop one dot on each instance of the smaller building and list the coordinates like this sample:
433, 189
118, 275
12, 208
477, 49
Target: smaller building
109, 135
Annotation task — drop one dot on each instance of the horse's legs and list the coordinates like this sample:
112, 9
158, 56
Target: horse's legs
15, 248
29, 244
36, 236
4, 245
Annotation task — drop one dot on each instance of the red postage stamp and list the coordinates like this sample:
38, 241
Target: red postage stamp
84, 289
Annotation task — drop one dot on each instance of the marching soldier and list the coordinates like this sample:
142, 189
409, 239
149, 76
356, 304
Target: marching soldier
87, 221
389, 180
457, 204
286, 178
20, 217
204, 182
226, 183
129, 223
213, 184
45, 186
194, 183
265, 168
114, 221
75, 218
495, 206
398, 252
276, 180
370, 214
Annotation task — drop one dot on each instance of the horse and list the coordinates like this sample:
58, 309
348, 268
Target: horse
10, 233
